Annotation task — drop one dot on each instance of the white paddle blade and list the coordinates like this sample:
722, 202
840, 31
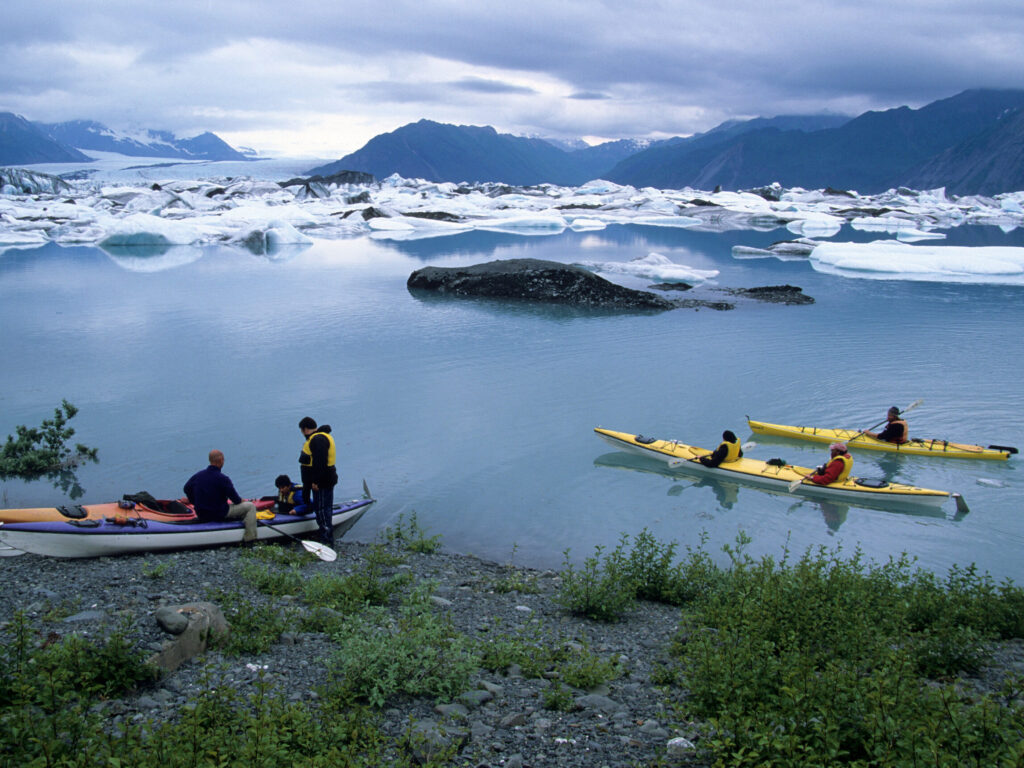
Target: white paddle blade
322, 551
673, 463
748, 446
795, 484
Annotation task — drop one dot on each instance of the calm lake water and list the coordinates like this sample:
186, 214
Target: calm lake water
477, 416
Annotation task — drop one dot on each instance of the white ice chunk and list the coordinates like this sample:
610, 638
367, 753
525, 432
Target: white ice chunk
143, 229
892, 260
653, 266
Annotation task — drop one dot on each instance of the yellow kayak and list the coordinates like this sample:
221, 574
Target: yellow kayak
853, 439
777, 476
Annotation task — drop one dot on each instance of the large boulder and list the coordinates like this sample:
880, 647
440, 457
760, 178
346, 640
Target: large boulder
534, 280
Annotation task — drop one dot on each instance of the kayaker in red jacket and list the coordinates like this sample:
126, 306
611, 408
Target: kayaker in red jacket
838, 467
896, 431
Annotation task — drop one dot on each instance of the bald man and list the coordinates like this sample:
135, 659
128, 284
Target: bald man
214, 497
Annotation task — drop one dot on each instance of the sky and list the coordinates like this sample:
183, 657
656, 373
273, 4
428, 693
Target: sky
320, 78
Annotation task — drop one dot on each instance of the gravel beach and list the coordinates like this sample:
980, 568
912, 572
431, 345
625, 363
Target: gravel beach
500, 720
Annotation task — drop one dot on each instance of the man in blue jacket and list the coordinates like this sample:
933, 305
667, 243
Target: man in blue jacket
214, 497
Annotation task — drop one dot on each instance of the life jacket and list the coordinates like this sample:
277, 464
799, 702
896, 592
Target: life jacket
847, 460
906, 430
289, 498
306, 457
732, 451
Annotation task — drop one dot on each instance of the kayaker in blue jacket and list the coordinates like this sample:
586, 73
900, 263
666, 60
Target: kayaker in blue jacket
319, 474
214, 497
290, 498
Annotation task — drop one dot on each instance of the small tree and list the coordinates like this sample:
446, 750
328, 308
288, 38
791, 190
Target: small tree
32, 453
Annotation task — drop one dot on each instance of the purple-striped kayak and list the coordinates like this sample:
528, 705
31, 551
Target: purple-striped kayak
100, 538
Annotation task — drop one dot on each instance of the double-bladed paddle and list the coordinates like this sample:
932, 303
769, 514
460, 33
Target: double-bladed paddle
320, 550
796, 483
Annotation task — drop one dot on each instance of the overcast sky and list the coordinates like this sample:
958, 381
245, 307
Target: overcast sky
322, 77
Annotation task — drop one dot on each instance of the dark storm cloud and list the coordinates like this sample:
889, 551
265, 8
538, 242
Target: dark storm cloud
584, 68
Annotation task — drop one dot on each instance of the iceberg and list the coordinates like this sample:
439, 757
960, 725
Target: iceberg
653, 266
893, 260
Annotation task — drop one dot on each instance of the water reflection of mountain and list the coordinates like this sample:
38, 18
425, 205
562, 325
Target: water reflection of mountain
727, 493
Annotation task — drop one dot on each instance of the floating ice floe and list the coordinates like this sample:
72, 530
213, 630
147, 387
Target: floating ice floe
893, 260
653, 266
138, 206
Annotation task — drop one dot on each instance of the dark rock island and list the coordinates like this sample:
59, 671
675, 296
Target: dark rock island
534, 280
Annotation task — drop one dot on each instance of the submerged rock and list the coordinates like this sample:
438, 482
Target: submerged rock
777, 294
534, 280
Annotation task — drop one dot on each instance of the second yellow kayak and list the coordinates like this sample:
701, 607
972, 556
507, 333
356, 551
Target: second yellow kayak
854, 440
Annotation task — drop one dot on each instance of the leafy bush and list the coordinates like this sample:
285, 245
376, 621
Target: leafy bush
603, 589
254, 626
420, 655
409, 535
819, 662
32, 452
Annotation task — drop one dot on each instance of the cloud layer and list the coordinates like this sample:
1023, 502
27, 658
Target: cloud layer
321, 79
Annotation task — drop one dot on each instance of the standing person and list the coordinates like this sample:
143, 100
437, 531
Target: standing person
214, 497
838, 468
896, 431
319, 474
728, 450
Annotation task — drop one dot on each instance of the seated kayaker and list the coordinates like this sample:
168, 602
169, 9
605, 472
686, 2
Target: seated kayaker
290, 497
896, 431
728, 450
838, 467
214, 497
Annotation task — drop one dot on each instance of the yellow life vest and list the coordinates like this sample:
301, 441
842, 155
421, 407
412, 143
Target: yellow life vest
732, 451
847, 460
306, 458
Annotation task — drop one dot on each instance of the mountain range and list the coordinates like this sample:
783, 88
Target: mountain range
971, 143
24, 143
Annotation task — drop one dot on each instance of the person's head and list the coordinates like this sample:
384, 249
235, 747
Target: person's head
893, 414
307, 425
216, 458
283, 482
837, 448
729, 436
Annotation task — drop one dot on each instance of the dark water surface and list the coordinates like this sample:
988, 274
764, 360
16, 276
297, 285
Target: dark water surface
478, 415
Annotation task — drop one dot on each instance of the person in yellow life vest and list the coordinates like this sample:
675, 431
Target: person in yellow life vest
838, 467
290, 498
317, 462
728, 450
896, 431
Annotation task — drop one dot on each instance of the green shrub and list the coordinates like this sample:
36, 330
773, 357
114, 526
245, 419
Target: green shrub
254, 626
558, 698
420, 655
32, 452
409, 535
602, 589
270, 580
820, 662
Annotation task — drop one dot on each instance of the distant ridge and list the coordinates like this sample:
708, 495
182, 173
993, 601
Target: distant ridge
870, 153
90, 135
969, 143
22, 143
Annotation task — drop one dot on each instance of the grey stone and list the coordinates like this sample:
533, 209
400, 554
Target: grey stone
171, 620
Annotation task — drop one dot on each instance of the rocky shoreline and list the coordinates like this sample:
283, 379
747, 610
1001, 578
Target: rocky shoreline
500, 720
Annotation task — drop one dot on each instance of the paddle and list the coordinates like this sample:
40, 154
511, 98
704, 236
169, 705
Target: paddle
675, 463
322, 551
796, 483
908, 409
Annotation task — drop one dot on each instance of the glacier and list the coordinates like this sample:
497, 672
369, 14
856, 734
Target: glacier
118, 207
